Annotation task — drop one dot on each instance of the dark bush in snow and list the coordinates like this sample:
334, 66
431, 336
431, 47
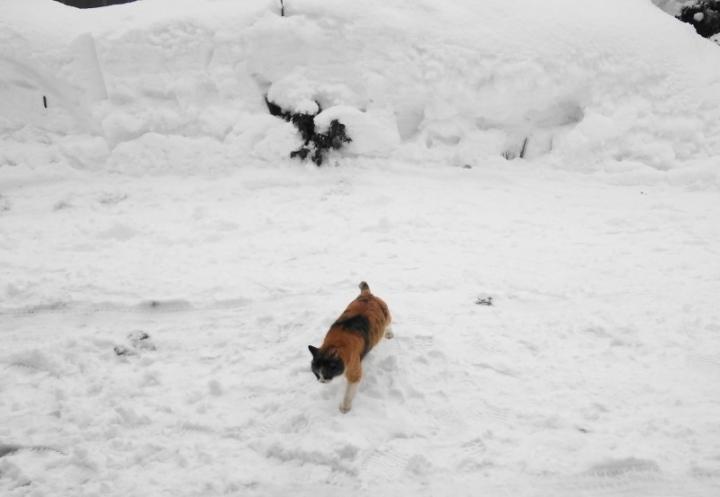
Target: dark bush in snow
321, 143
315, 145
305, 123
704, 15
89, 4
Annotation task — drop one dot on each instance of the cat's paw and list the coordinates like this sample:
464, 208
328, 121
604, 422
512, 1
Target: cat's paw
345, 408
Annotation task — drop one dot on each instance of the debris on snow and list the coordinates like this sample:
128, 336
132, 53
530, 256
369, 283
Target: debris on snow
484, 300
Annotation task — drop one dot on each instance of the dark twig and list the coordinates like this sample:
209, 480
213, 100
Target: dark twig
524, 147
484, 300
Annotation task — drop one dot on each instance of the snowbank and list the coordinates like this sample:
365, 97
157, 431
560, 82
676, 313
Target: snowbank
576, 85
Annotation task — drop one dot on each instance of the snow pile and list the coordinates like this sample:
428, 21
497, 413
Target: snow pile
576, 85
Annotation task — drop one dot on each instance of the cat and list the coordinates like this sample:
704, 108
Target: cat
358, 329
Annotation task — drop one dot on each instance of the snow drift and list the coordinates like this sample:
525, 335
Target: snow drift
577, 85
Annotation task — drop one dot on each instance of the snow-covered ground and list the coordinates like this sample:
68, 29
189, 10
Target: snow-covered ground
155, 194
595, 371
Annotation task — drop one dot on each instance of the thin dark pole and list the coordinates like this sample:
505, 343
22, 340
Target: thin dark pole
524, 147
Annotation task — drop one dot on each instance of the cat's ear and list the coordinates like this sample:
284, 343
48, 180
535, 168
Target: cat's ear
313, 350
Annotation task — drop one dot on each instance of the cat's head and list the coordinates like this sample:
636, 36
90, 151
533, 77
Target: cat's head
325, 366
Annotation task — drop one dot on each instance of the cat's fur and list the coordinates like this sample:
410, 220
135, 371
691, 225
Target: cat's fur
358, 329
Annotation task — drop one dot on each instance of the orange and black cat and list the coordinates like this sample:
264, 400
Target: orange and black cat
365, 321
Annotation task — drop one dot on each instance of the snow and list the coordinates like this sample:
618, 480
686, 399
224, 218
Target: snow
155, 196
599, 89
375, 132
673, 7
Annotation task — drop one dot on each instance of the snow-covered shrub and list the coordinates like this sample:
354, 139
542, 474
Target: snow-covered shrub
303, 121
316, 143
320, 143
704, 15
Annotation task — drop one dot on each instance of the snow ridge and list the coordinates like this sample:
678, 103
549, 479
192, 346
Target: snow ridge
582, 88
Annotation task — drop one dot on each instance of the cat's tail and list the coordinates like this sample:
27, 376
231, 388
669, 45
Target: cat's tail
364, 288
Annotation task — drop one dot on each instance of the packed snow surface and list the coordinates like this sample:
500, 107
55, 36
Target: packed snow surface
594, 372
164, 264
